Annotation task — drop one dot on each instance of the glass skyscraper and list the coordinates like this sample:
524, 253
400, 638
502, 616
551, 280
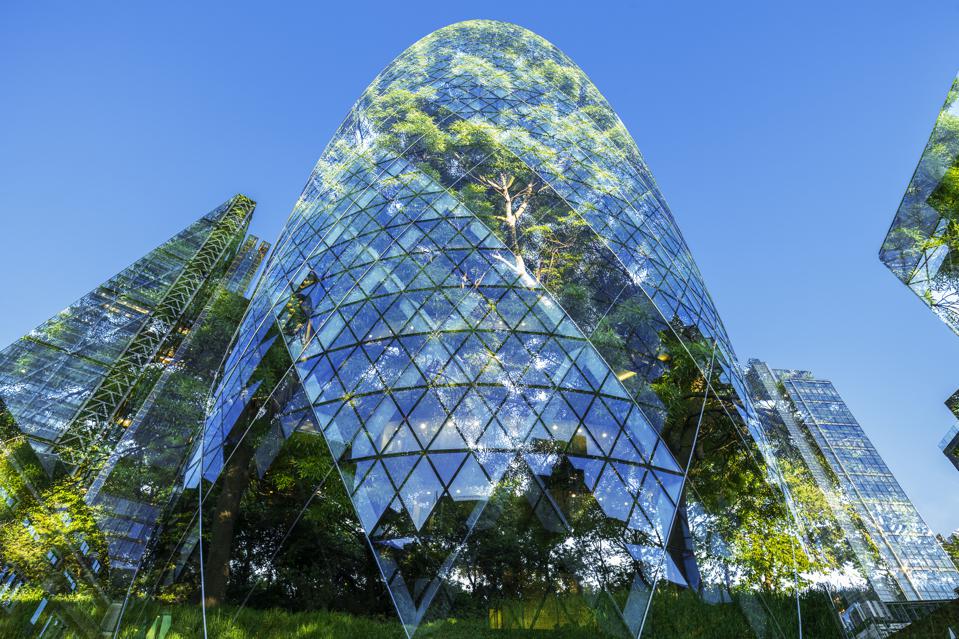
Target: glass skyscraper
901, 556
66, 380
922, 246
480, 382
98, 406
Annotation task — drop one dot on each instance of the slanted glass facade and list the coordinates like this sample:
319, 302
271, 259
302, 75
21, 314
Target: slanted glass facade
950, 441
922, 246
66, 382
46, 376
245, 265
98, 410
856, 572
910, 551
481, 384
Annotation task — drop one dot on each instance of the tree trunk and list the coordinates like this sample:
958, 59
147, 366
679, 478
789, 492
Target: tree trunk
233, 483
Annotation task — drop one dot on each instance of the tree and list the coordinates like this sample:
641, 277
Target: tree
46, 527
951, 546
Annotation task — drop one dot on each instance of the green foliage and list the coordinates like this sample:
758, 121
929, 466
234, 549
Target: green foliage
680, 614
76, 609
418, 125
228, 623
46, 520
945, 199
821, 526
951, 546
566, 78
475, 197
300, 546
148, 472
324, 563
224, 315
934, 626
555, 245
56, 524
915, 231
727, 475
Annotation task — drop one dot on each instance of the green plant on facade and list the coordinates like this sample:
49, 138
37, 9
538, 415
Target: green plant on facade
951, 546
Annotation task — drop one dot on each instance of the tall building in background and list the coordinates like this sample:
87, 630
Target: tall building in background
481, 382
887, 567
99, 406
66, 382
900, 554
922, 246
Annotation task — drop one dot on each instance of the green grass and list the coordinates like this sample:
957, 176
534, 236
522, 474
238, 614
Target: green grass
225, 623
674, 614
262, 624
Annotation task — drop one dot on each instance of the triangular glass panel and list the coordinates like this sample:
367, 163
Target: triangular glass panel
399, 467
470, 483
448, 438
446, 464
421, 492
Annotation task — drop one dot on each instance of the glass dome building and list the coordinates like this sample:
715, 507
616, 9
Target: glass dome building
481, 380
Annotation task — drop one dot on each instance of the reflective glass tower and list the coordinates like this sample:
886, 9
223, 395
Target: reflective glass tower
98, 406
481, 383
847, 502
911, 566
65, 381
922, 246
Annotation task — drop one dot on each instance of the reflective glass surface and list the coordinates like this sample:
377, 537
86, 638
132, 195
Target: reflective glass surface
78, 540
919, 566
482, 342
921, 246
47, 375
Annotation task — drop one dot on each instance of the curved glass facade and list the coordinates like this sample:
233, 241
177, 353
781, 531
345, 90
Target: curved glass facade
482, 353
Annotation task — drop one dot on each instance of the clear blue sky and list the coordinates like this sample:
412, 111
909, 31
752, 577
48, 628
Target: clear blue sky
782, 134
